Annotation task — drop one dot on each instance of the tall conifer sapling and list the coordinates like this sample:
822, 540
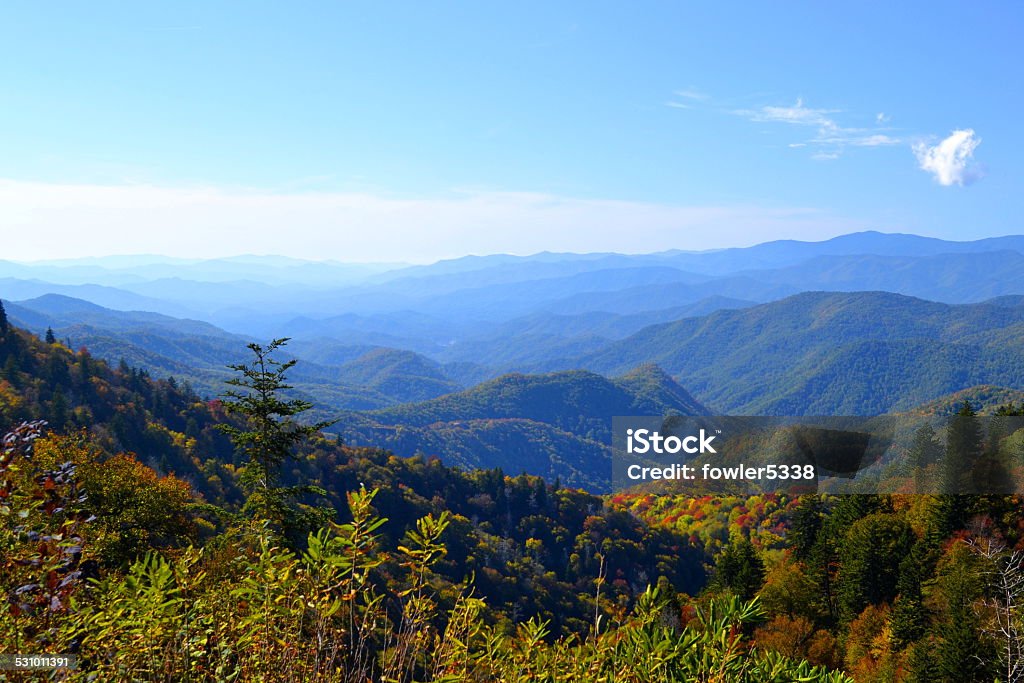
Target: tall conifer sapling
271, 436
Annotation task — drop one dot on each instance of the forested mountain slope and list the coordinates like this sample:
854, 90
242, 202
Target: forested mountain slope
557, 425
830, 353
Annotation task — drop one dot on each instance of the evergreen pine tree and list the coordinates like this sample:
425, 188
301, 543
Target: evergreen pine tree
4, 325
59, 410
909, 617
50, 339
921, 664
963, 447
960, 654
806, 525
739, 568
849, 509
992, 476
11, 369
270, 438
924, 451
822, 563
868, 574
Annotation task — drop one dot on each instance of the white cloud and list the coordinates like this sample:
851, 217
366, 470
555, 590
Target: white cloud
692, 94
856, 138
876, 140
830, 138
950, 160
50, 221
797, 114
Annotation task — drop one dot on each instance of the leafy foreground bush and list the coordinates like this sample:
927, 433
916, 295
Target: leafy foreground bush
243, 608
285, 622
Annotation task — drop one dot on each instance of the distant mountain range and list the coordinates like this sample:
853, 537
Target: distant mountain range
484, 356
479, 317
258, 295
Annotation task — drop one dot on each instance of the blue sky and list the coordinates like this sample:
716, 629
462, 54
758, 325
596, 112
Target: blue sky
416, 131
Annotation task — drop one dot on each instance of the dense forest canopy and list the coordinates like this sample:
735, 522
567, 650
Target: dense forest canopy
127, 540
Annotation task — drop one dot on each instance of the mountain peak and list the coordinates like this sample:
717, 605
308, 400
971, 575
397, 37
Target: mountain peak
651, 384
59, 303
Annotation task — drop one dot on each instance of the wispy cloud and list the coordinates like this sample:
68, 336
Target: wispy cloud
827, 135
692, 94
856, 137
798, 114
950, 161
90, 220
830, 138
877, 140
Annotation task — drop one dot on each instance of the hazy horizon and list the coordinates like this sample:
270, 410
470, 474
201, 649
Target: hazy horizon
129, 260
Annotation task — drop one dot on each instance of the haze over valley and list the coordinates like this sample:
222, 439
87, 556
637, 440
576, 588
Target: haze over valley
456, 357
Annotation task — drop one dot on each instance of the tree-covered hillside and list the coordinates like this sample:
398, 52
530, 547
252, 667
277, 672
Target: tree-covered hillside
577, 401
358, 377
403, 376
123, 409
472, 576
831, 353
817, 352
96, 413
557, 425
